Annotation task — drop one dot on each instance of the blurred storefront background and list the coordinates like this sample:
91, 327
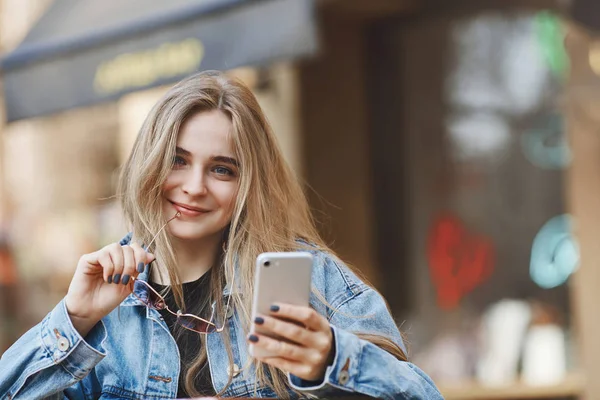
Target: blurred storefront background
449, 152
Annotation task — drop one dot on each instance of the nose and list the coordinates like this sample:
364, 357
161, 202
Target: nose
194, 184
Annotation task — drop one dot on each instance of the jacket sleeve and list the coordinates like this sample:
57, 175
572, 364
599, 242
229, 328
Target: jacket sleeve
51, 359
360, 366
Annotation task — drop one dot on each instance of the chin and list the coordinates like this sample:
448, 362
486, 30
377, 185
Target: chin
191, 232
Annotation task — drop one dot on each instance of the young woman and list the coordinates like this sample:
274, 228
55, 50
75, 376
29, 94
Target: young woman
206, 190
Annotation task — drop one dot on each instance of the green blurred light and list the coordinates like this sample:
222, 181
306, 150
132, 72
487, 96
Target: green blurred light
550, 34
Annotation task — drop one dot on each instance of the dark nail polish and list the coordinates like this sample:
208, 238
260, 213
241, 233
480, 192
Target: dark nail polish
109, 279
274, 308
253, 338
140, 267
259, 321
125, 279
117, 278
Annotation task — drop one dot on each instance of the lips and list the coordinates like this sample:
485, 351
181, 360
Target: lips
188, 210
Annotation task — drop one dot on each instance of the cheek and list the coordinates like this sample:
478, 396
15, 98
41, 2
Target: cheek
226, 195
170, 183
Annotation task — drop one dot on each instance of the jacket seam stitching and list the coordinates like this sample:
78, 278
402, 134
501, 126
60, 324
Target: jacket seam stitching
344, 302
37, 367
373, 391
63, 366
350, 285
42, 336
148, 364
119, 391
354, 289
20, 383
234, 342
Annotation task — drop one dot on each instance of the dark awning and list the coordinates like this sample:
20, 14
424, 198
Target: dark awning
87, 51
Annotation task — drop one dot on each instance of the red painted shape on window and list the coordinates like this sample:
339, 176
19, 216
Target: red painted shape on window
458, 260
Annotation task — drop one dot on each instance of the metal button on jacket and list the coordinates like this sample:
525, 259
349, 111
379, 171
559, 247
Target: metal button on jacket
344, 377
63, 343
344, 374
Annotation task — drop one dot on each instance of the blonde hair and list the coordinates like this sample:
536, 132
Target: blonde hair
270, 214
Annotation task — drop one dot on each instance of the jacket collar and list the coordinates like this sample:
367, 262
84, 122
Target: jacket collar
142, 292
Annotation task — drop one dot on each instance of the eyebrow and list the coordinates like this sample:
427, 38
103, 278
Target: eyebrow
223, 159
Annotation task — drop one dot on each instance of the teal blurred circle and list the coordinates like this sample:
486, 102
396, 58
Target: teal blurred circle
554, 253
546, 145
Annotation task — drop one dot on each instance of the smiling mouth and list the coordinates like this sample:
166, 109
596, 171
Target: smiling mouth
187, 210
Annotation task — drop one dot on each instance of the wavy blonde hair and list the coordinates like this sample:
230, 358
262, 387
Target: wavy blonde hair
270, 214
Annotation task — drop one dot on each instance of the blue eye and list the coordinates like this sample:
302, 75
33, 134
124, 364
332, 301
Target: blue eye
178, 161
223, 171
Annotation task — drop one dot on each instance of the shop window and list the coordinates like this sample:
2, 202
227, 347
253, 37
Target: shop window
469, 152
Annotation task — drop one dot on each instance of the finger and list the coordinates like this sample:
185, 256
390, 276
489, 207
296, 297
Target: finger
100, 262
293, 367
128, 265
92, 258
104, 259
118, 259
280, 348
290, 331
116, 255
142, 257
107, 266
306, 316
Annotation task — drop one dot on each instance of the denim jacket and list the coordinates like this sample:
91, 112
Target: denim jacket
131, 354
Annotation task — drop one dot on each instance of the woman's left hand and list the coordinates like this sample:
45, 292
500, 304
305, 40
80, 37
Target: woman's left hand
308, 346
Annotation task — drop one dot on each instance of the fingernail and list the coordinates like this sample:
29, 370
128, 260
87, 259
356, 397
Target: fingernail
125, 279
259, 320
140, 267
109, 279
117, 278
253, 338
274, 308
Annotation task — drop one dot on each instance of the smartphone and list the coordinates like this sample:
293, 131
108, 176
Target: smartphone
283, 277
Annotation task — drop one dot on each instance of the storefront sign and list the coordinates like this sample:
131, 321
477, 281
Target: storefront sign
52, 71
143, 68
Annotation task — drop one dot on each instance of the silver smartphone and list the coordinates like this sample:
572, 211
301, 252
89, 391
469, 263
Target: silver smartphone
283, 277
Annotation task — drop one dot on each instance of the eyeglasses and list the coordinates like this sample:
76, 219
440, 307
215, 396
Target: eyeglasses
154, 300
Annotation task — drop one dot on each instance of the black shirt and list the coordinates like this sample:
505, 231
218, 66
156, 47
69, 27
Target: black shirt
188, 341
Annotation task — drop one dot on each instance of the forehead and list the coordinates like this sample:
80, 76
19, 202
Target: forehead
207, 133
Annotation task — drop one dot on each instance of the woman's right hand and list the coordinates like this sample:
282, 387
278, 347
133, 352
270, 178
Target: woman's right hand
101, 283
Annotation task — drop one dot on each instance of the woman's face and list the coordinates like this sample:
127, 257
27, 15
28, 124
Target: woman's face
203, 182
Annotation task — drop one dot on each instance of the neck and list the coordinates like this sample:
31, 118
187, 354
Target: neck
194, 258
